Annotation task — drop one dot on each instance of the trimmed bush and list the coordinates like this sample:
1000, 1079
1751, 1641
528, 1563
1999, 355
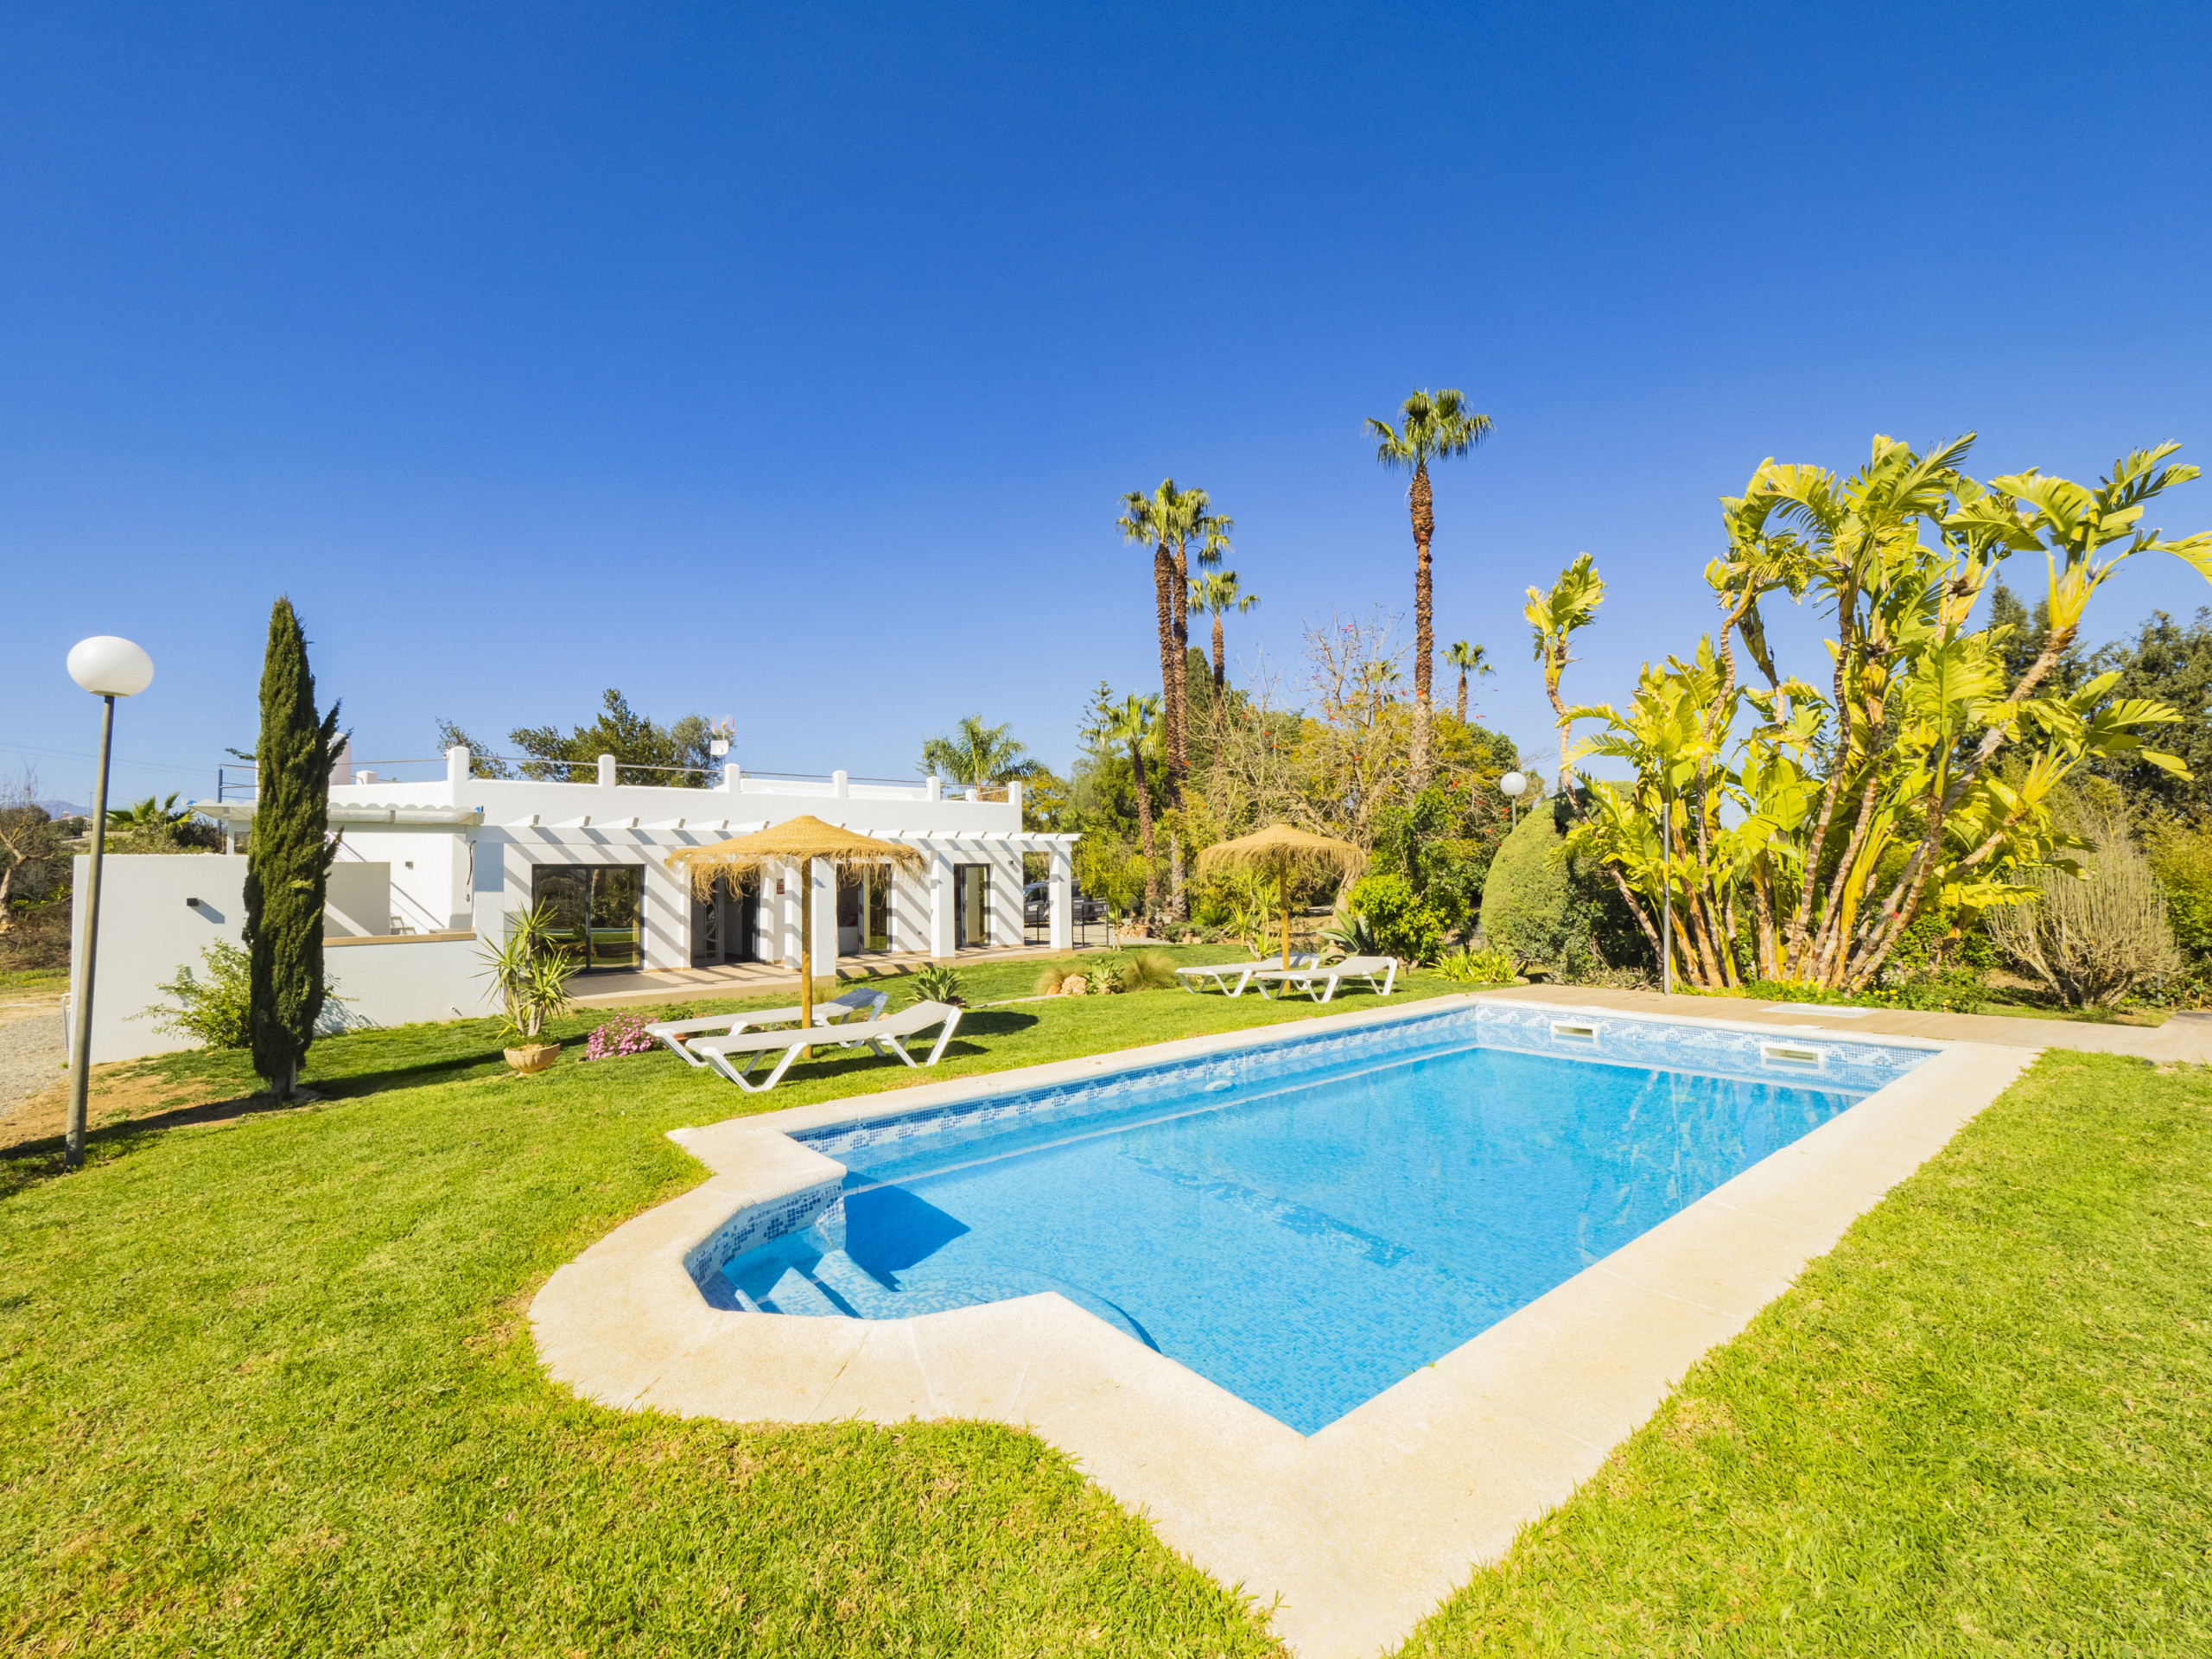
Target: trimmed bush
1530, 906
1400, 923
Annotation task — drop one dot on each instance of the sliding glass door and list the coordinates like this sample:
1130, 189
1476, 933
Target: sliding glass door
597, 911
971, 904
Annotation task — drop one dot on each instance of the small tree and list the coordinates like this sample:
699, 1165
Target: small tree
287, 861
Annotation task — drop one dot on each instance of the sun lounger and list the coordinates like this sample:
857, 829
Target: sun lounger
673, 1034
1380, 973
884, 1036
1221, 972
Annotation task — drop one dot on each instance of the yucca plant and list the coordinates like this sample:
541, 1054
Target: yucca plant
938, 983
1353, 933
530, 972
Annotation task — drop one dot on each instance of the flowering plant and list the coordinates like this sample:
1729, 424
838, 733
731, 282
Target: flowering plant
624, 1034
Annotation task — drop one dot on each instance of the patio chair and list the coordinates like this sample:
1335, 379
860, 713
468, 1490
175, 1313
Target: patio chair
1221, 972
672, 1034
882, 1035
1381, 973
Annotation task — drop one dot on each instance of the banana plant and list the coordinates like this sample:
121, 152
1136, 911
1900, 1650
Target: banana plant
1838, 815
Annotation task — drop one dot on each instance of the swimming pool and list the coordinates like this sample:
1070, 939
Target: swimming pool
1308, 1221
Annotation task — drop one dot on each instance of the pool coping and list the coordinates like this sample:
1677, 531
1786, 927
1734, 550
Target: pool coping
1351, 1535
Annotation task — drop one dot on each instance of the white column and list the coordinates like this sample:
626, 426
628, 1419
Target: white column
731, 774
1061, 891
606, 771
840, 785
457, 768
933, 788
825, 919
1013, 800
942, 933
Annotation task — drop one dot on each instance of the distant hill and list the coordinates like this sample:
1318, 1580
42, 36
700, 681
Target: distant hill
63, 809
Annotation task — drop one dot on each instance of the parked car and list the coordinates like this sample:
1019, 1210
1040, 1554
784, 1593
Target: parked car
1037, 905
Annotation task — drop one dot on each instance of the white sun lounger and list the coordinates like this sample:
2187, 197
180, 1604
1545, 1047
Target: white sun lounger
672, 1033
1380, 973
881, 1035
1221, 972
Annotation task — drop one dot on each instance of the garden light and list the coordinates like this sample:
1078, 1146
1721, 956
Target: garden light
108, 668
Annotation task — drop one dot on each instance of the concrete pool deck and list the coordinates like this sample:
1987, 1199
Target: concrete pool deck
1352, 1534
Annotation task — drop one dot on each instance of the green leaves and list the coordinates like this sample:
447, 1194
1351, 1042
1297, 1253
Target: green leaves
1846, 834
1433, 427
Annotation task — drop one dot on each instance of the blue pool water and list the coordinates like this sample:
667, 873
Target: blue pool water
1307, 1223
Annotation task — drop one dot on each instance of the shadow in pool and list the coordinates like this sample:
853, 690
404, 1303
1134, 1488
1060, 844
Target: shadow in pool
887, 1228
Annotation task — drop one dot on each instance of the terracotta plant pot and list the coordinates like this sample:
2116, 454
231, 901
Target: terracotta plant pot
533, 1057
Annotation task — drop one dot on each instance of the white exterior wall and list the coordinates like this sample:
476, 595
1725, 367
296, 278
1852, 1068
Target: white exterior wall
634, 822
396, 982
147, 933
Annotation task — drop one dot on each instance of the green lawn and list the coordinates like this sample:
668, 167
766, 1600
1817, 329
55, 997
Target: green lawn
266, 1389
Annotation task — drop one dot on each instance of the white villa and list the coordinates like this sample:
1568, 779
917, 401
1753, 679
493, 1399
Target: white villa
425, 869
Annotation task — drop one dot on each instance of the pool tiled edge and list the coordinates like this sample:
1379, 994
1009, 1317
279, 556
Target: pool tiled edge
1360, 1529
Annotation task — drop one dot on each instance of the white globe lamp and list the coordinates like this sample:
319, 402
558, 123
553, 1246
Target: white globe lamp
1513, 787
109, 668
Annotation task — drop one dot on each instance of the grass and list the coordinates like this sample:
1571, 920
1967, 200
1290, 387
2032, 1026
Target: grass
265, 1387
34, 979
1977, 1427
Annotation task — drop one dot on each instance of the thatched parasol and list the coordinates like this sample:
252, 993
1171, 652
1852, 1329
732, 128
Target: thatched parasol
1281, 852
797, 841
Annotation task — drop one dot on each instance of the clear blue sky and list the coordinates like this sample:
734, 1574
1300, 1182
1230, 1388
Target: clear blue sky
788, 362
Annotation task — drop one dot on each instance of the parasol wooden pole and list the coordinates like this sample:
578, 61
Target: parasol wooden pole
806, 949
1282, 888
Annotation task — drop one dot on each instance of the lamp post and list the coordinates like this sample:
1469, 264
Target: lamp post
108, 668
1513, 787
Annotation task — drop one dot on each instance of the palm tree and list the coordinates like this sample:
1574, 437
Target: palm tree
1170, 520
148, 814
1208, 543
1468, 659
1135, 724
1432, 428
1218, 592
976, 753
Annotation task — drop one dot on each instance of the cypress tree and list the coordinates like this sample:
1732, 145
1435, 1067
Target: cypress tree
288, 860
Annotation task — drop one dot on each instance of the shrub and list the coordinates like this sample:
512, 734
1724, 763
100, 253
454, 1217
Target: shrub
1150, 971
1489, 966
212, 1011
1952, 990
1055, 975
1392, 920
2181, 857
938, 983
2091, 938
624, 1034
1529, 904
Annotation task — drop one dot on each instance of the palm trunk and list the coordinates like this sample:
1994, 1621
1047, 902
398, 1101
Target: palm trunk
1424, 639
1144, 832
1178, 902
1166, 582
1462, 709
1178, 748
1220, 661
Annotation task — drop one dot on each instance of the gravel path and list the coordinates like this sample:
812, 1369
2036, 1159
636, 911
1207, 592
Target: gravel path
31, 1055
